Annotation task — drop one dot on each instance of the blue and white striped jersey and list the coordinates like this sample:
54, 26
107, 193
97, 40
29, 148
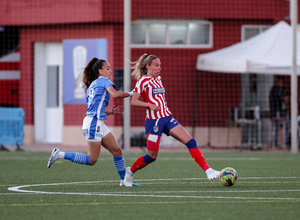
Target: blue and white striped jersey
97, 97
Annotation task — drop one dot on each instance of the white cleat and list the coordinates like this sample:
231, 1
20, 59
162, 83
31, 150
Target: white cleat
133, 184
212, 174
53, 157
128, 177
122, 183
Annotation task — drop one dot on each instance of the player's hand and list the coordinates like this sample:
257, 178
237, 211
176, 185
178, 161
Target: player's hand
154, 108
117, 110
131, 93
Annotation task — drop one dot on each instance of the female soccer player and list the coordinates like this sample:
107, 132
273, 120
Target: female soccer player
158, 117
99, 88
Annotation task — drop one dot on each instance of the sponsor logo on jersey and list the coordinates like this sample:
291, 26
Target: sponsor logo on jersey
156, 91
98, 135
85, 131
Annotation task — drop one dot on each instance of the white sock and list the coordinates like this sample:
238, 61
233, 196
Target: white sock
61, 155
129, 171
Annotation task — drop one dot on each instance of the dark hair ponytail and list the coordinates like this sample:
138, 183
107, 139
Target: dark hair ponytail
91, 71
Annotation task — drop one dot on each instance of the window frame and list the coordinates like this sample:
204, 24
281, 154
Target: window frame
259, 27
168, 45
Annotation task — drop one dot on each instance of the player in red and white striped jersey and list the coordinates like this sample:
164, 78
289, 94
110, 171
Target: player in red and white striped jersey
158, 117
153, 92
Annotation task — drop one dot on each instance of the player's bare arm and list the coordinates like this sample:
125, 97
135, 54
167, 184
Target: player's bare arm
116, 94
135, 101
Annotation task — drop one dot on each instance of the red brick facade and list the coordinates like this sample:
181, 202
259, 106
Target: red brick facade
49, 21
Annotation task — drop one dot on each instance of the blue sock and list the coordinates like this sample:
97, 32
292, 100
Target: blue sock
119, 163
77, 158
147, 159
191, 144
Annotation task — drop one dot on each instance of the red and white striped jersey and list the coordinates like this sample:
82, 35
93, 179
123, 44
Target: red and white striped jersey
153, 92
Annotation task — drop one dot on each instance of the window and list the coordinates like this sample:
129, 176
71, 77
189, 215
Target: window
157, 34
171, 34
52, 86
118, 78
249, 31
198, 33
138, 33
178, 33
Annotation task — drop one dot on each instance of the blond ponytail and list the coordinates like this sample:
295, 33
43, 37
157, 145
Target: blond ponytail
140, 66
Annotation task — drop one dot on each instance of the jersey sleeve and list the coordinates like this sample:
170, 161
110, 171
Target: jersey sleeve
108, 83
140, 85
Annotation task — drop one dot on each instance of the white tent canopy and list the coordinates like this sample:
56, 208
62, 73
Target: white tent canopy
267, 53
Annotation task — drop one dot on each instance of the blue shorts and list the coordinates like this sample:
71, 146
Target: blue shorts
161, 125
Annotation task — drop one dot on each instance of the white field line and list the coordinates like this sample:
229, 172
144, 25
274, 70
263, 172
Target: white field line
21, 190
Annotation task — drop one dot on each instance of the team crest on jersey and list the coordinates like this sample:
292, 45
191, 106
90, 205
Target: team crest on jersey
156, 91
155, 128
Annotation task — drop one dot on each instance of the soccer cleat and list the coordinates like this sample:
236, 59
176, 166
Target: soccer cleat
133, 184
128, 177
53, 157
212, 174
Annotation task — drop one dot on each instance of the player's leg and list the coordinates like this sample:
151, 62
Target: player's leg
152, 147
180, 134
90, 159
154, 128
91, 128
143, 161
110, 143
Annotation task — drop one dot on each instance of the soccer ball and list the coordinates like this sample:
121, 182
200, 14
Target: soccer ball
228, 176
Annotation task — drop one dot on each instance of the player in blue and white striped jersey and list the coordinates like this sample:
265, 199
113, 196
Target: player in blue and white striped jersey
99, 88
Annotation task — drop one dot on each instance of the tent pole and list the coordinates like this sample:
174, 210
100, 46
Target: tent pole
294, 80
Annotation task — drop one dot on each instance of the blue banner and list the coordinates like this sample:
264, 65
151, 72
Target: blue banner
77, 54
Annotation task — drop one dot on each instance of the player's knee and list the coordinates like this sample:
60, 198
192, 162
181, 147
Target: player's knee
191, 144
153, 154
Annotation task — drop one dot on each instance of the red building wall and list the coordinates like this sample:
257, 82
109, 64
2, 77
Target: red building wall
9, 93
179, 76
180, 64
32, 12
73, 114
16, 12
211, 9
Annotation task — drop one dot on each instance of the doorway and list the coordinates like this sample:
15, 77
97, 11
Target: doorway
48, 99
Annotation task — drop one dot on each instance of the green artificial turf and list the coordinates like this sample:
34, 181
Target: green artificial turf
174, 187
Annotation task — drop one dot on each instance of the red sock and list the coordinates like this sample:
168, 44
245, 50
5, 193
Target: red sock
138, 164
198, 157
